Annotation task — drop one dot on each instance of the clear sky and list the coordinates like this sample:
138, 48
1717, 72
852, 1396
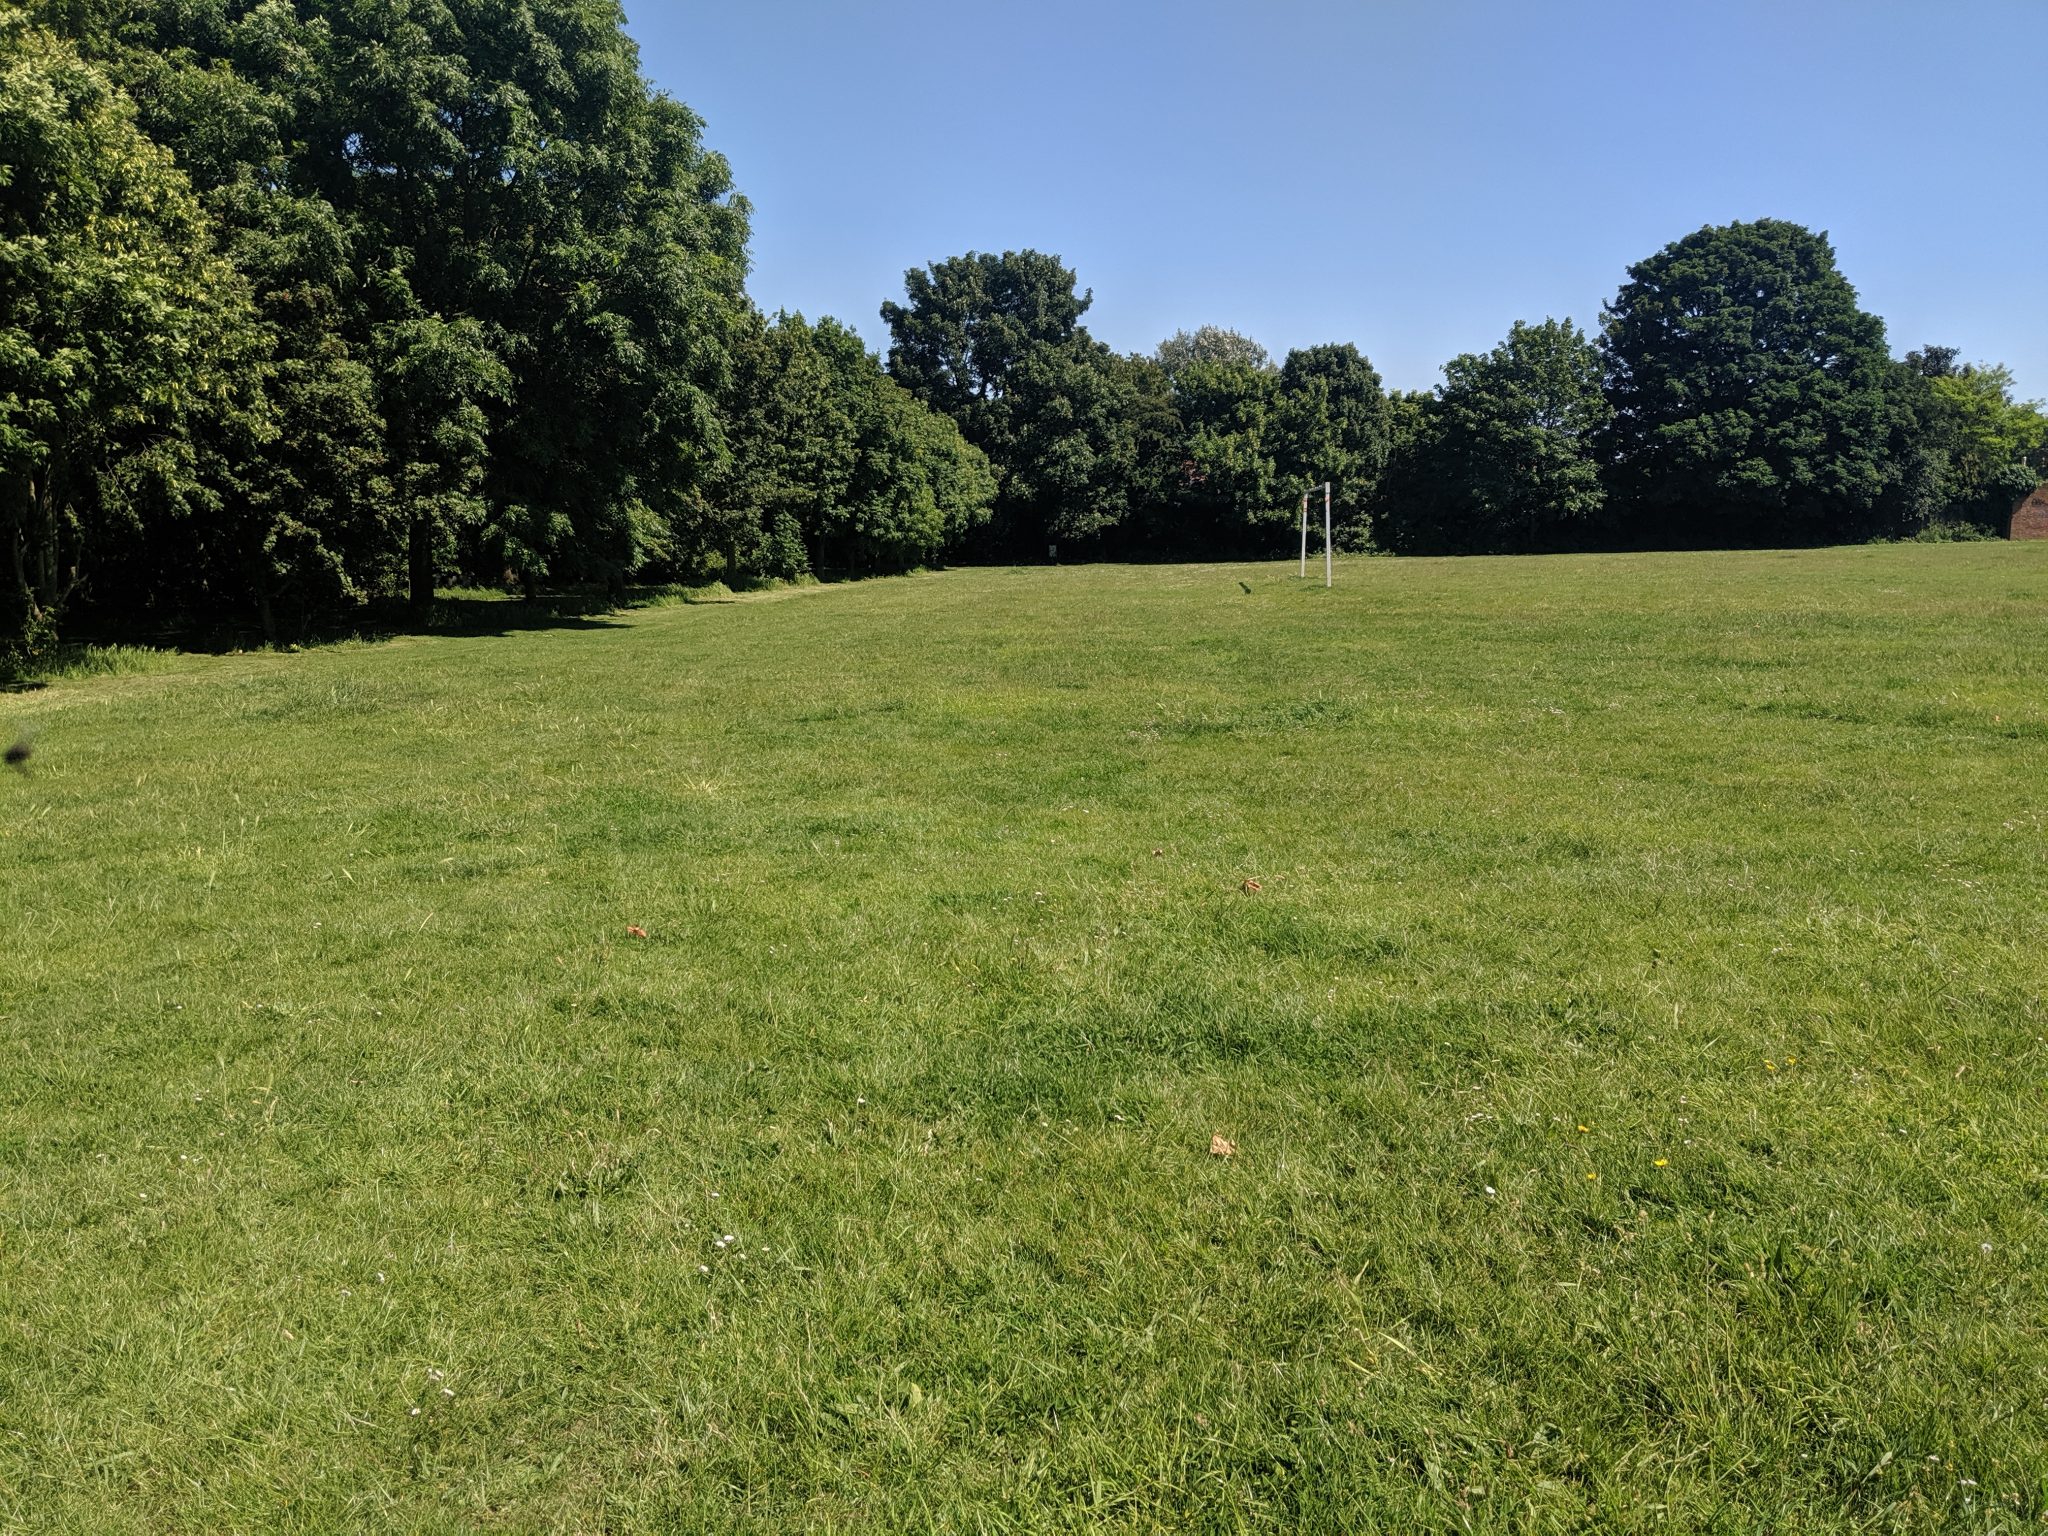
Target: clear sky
1409, 175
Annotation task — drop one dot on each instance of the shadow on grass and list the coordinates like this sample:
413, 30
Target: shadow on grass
489, 613
114, 648
483, 611
101, 648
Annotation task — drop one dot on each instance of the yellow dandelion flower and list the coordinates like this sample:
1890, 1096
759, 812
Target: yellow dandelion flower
1663, 1162
1584, 1129
1791, 1061
1770, 1066
1592, 1175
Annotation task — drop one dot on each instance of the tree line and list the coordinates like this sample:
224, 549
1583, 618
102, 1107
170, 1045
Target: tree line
307, 306
1735, 395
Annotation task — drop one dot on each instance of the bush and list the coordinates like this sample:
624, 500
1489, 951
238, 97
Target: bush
1952, 533
28, 647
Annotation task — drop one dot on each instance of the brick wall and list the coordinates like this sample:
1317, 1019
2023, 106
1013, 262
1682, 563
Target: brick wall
2030, 517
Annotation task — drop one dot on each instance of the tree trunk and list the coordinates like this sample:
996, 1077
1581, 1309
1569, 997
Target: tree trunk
420, 565
19, 606
42, 542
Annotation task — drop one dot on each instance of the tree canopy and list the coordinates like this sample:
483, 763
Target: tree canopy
1210, 344
996, 342
1980, 449
1331, 424
1501, 457
127, 347
847, 469
1754, 401
328, 303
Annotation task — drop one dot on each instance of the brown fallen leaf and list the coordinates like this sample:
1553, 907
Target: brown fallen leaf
1251, 885
636, 930
1219, 1147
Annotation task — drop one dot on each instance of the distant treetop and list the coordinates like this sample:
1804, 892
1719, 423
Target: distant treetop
1210, 344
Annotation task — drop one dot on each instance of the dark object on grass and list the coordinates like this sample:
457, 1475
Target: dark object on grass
17, 756
1245, 584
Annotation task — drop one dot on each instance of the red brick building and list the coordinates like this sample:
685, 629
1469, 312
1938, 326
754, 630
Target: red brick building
2030, 517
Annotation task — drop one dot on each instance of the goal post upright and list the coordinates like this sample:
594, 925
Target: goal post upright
1329, 569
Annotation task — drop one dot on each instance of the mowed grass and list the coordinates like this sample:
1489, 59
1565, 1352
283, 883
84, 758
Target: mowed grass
1634, 1051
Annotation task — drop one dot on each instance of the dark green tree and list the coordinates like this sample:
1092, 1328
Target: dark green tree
1753, 399
1229, 496
509, 166
996, 343
1501, 458
835, 465
1396, 506
793, 444
621, 327
437, 377
1072, 450
224, 85
1151, 527
334, 537
914, 483
1330, 423
970, 323
496, 164
124, 340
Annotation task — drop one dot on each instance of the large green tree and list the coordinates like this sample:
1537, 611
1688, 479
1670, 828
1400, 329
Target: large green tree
493, 171
1071, 454
1501, 458
125, 341
969, 324
438, 377
1229, 497
835, 466
913, 485
621, 336
1984, 447
995, 342
225, 85
1330, 423
1753, 398
1251, 439
508, 166
1152, 525
794, 441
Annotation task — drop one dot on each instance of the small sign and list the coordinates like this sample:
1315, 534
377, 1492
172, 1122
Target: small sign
1052, 551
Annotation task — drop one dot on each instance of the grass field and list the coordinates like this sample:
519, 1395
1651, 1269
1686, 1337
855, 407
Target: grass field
1633, 1050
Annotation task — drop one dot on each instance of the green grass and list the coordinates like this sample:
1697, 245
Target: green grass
1634, 1052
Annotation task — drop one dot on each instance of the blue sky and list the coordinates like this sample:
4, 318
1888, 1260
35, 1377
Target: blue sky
1409, 176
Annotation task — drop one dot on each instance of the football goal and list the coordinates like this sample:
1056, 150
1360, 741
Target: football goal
1329, 569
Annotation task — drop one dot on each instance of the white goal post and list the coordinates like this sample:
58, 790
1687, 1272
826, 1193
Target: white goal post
1329, 570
